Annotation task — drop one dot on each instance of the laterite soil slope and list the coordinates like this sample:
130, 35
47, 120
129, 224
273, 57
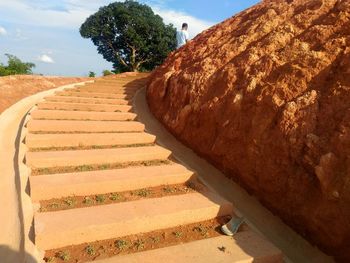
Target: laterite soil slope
265, 95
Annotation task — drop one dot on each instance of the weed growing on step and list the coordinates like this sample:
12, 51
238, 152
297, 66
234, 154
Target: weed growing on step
100, 198
143, 192
50, 260
70, 202
201, 229
139, 244
63, 255
88, 200
155, 240
115, 197
90, 250
177, 234
168, 189
54, 205
121, 244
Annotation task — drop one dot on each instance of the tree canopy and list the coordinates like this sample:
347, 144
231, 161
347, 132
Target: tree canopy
16, 66
130, 35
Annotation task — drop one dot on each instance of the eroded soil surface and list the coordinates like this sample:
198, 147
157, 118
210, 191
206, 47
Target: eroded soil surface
265, 96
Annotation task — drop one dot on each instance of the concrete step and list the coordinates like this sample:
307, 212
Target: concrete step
83, 107
76, 226
244, 247
88, 139
87, 100
84, 126
93, 95
52, 159
106, 89
82, 115
45, 187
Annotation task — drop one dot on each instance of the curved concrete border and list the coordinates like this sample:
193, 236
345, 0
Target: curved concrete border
16, 208
294, 247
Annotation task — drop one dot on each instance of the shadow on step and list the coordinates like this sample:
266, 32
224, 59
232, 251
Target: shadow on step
8, 255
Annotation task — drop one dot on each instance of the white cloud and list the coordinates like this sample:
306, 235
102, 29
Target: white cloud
76, 11
46, 59
195, 25
3, 31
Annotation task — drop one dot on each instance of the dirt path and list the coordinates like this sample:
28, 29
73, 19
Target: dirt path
105, 189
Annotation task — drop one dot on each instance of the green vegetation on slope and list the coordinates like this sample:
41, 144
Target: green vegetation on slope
16, 66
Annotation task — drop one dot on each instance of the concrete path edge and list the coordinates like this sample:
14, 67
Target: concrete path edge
17, 212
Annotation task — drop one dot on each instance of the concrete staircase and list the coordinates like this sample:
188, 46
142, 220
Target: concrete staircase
92, 126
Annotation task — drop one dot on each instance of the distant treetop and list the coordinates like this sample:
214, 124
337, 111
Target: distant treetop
130, 35
16, 67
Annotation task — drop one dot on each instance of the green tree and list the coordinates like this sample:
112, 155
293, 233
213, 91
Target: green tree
16, 66
130, 35
92, 74
106, 72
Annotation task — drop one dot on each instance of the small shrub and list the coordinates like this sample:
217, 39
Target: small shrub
201, 229
100, 198
50, 260
63, 255
121, 244
70, 202
88, 200
114, 196
90, 250
106, 73
168, 189
178, 234
139, 244
155, 239
143, 192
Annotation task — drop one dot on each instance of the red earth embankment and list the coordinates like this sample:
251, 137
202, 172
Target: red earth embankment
265, 96
15, 88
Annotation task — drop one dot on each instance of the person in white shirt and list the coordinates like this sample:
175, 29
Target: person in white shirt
182, 36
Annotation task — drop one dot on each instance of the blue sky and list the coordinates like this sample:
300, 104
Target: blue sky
47, 32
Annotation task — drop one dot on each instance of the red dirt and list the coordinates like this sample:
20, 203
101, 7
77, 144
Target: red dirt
265, 96
15, 88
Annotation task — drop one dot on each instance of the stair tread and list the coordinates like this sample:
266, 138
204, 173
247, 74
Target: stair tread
87, 139
244, 247
83, 106
93, 94
82, 115
75, 226
49, 159
84, 126
45, 187
87, 100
